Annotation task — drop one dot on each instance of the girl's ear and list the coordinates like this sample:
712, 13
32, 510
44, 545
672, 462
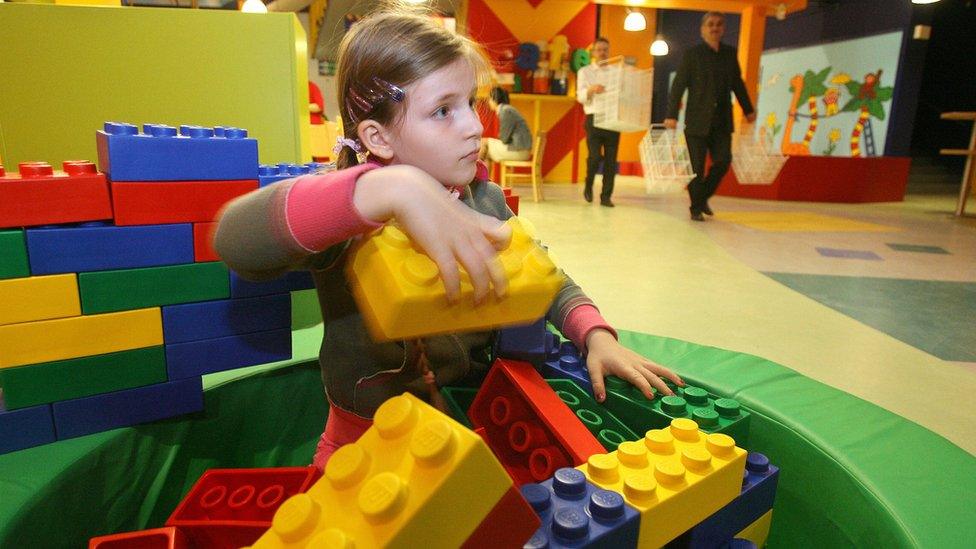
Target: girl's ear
376, 138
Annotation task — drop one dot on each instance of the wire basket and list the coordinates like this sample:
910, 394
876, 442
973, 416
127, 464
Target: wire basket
625, 104
752, 160
664, 158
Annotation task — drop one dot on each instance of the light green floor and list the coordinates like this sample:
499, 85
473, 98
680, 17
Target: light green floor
651, 270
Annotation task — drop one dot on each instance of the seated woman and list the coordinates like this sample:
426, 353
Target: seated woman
514, 139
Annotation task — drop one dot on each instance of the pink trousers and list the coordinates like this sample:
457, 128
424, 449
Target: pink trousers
341, 428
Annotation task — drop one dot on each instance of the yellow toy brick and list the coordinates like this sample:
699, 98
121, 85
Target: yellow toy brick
416, 478
676, 477
47, 340
38, 298
401, 296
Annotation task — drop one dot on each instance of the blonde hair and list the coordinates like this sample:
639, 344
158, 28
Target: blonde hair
399, 48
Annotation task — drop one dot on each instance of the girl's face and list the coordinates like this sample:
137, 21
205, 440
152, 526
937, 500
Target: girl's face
439, 131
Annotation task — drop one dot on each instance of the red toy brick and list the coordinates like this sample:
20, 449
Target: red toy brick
529, 428
203, 242
509, 524
152, 202
230, 508
157, 538
39, 196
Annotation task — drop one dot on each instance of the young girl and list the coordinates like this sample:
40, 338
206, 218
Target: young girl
407, 89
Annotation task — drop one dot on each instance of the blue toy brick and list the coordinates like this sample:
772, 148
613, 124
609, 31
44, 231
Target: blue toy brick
292, 281
101, 247
739, 543
553, 344
159, 154
759, 481
576, 513
320, 167
25, 428
569, 365
270, 173
227, 317
195, 358
94, 414
526, 342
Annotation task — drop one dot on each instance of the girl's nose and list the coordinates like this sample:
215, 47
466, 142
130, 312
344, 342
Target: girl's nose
472, 123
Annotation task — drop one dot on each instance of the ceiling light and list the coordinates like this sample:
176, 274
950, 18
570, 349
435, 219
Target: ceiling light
254, 6
659, 47
635, 21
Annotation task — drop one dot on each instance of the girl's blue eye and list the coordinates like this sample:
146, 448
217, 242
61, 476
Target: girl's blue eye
441, 112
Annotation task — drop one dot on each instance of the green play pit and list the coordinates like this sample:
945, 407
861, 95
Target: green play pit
852, 474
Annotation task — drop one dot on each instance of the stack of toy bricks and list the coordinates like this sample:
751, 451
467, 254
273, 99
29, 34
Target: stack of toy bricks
112, 301
648, 473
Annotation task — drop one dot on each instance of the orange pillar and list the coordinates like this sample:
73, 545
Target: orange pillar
752, 34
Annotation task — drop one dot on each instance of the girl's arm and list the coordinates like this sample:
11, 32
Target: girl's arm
577, 318
277, 228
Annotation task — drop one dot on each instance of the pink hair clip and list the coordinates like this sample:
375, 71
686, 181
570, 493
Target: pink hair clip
363, 98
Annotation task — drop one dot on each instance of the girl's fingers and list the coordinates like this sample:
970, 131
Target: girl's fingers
638, 378
656, 382
498, 232
664, 372
448, 268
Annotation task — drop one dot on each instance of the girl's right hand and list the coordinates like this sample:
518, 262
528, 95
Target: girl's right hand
446, 229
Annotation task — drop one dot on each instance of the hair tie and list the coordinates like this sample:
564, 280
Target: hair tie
353, 144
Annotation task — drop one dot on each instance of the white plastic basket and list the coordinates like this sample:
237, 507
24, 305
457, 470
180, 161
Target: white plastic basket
752, 160
665, 161
625, 104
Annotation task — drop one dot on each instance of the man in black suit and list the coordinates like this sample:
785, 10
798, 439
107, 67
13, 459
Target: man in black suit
710, 72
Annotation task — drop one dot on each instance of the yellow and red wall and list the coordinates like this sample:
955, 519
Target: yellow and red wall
501, 25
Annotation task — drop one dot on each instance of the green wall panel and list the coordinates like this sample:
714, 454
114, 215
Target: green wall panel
68, 69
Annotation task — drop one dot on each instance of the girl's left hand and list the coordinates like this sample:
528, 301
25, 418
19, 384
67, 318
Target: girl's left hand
606, 356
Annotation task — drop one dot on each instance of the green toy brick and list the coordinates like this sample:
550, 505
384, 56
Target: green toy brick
458, 401
13, 255
81, 377
607, 429
121, 290
713, 414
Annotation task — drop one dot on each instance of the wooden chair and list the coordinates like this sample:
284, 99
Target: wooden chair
534, 164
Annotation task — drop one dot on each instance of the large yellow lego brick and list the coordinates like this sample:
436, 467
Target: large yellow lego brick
416, 478
38, 298
47, 340
676, 477
401, 296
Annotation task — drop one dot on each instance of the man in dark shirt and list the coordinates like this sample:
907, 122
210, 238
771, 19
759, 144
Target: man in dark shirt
710, 72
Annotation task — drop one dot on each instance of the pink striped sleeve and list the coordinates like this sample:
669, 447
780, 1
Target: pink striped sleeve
580, 321
319, 209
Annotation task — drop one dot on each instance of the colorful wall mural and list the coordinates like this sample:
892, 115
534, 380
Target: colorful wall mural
830, 99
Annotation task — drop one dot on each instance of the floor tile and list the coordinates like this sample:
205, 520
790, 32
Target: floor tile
921, 248
849, 254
